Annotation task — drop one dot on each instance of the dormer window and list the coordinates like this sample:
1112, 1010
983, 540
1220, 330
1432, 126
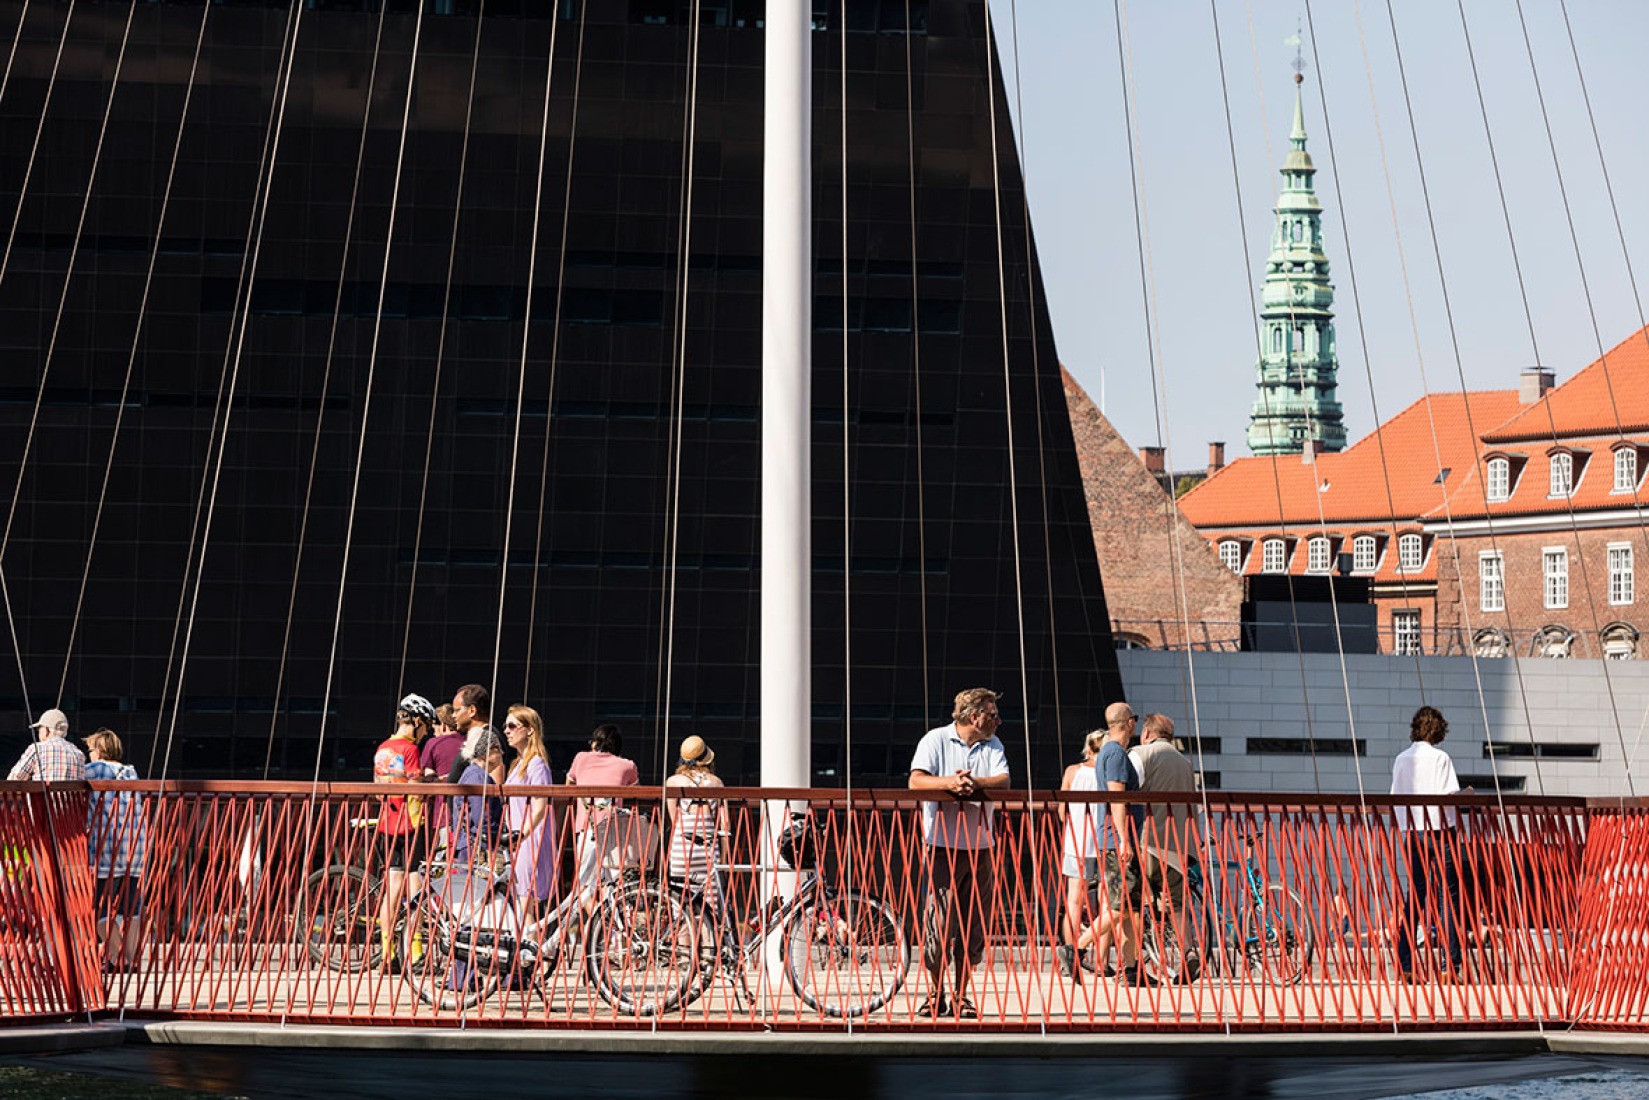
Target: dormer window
1626, 470
1365, 553
1273, 556
1317, 555
1500, 479
1231, 555
1562, 474
1410, 553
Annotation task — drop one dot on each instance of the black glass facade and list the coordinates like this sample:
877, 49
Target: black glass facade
614, 370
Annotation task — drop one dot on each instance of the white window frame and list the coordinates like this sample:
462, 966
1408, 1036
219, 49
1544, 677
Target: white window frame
1554, 572
1365, 554
1273, 556
1405, 631
1319, 555
1231, 554
1499, 480
1410, 562
1491, 580
1626, 469
1622, 582
1560, 475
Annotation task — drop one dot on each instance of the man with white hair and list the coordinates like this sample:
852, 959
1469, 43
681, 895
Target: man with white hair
53, 758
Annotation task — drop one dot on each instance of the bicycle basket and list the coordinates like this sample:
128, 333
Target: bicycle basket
796, 844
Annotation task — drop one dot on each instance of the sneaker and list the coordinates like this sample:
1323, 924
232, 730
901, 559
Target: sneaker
1065, 956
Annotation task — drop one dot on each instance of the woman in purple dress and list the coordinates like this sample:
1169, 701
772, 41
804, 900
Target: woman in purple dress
533, 868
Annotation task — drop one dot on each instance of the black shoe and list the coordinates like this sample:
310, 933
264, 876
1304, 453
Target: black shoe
1065, 956
935, 1006
1134, 976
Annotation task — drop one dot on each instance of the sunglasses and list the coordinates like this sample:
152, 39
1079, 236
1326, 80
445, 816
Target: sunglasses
512, 724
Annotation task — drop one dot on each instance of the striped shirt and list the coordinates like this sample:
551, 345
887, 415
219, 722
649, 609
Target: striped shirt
55, 760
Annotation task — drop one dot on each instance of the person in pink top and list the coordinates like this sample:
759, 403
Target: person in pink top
601, 822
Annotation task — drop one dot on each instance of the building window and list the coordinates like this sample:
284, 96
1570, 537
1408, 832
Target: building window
1500, 479
1317, 555
1491, 580
1621, 590
1364, 554
1231, 555
1273, 559
1405, 632
1555, 568
1277, 341
1562, 469
1554, 641
1620, 642
1491, 641
1410, 553
1626, 469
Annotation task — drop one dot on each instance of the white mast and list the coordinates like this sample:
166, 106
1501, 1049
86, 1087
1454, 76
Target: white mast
787, 422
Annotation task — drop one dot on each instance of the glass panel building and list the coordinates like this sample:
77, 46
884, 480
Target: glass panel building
330, 409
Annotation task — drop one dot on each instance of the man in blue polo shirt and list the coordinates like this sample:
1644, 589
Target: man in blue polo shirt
963, 758
1117, 843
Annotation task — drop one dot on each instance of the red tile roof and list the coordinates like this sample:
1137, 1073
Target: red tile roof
1608, 398
1393, 471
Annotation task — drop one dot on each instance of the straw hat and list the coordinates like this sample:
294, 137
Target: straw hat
695, 752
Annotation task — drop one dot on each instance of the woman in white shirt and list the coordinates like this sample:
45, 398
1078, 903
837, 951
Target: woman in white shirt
1079, 862
1433, 850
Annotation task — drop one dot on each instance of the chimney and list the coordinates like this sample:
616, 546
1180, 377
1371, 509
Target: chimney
1216, 458
1153, 457
1533, 384
1312, 448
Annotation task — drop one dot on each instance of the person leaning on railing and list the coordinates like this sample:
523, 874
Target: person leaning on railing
478, 819
1425, 769
53, 758
963, 758
120, 847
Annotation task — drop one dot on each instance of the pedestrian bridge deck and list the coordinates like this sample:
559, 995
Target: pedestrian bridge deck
259, 905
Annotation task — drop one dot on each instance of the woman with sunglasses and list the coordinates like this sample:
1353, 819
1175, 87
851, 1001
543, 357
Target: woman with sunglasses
531, 823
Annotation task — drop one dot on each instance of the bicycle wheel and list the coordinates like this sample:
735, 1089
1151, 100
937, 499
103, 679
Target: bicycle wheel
1276, 936
846, 955
641, 952
435, 964
338, 914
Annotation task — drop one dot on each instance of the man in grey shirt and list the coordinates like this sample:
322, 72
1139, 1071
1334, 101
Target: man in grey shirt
1172, 834
963, 759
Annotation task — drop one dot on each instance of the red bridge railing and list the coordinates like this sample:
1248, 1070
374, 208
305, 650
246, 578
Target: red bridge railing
260, 902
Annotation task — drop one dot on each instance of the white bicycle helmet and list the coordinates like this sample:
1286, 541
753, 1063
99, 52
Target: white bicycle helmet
419, 707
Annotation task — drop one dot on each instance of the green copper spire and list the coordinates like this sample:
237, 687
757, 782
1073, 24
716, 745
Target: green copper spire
1297, 365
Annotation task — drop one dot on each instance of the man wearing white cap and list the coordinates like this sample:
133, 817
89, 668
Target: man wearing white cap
53, 758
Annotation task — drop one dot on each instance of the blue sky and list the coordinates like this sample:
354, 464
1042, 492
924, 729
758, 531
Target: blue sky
1071, 123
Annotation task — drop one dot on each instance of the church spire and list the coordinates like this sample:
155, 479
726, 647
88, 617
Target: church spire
1298, 366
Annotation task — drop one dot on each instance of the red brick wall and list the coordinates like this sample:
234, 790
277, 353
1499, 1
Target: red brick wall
1137, 530
1589, 609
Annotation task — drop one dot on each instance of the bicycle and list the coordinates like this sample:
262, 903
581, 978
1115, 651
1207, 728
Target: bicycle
1260, 926
464, 934
845, 954
339, 905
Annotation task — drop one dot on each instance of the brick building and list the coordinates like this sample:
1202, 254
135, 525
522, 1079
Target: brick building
1500, 522
1358, 512
1548, 527
1159, 573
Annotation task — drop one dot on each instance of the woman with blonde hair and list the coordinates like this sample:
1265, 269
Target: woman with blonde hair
532, 826
1080, 864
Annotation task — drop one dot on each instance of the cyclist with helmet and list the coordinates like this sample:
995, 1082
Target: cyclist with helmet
401, 826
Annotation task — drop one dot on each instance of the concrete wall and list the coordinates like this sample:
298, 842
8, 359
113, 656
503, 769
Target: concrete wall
1245, 696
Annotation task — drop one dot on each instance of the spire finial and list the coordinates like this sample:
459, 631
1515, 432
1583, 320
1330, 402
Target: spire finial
1298, 64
